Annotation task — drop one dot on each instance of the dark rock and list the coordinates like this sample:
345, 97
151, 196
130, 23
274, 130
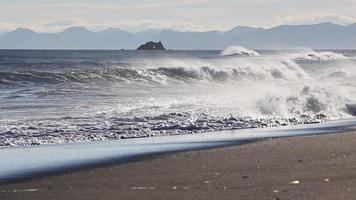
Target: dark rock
152, 46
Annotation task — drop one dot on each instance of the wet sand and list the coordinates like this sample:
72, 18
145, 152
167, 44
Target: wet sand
311, 167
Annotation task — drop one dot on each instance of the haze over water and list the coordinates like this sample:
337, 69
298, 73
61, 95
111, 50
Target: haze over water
74, 96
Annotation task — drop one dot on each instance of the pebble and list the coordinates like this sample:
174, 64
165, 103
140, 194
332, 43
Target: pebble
295, 182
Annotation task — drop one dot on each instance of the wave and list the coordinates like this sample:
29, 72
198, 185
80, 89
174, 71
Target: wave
337, 75
310, 55
238, 50
73, 76
158, 75
258, 87
184, 70
202, 93
24, 134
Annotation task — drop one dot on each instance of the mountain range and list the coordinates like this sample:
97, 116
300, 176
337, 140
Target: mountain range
316, 36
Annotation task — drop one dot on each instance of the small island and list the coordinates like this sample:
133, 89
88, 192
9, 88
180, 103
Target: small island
152, 46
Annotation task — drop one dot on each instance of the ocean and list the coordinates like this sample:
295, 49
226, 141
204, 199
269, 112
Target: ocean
64, 96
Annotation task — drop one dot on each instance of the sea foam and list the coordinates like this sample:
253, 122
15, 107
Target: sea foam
172, 94
238, 50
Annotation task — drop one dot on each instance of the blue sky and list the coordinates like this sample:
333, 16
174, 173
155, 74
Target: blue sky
186, 15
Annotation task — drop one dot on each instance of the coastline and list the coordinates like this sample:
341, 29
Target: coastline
308, 167
22, 163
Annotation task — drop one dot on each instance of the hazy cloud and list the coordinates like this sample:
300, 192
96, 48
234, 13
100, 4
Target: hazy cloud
195, 15
316, 18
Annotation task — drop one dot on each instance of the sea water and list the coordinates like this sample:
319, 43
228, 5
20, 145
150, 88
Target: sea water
74, 96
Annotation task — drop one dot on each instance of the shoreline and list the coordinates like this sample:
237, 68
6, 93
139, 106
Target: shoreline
38, 161
307, 167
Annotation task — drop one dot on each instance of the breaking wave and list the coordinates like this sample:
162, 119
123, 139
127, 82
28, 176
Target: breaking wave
169, 95
185, 72
310, 55
237, 50
24, 134
161, 75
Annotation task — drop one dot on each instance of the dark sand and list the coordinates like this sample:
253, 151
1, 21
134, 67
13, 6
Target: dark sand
322, 167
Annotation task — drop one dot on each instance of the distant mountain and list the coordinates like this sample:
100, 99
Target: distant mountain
318, 36
71, 38
240, 30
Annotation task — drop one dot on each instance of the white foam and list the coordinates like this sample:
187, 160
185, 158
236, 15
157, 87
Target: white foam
311, 55
210, 90
238, 50
28, 162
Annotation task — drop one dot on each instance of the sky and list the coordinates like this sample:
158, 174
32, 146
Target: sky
182, 15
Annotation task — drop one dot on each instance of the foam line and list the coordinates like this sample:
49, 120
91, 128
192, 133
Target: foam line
28, 162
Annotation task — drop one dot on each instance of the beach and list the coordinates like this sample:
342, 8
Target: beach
114, 100
308, 167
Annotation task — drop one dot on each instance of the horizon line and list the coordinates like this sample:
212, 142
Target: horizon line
168, 29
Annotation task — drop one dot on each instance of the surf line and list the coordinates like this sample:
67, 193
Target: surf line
18, 163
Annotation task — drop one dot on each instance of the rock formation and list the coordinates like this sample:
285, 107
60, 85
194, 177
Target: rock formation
152, 46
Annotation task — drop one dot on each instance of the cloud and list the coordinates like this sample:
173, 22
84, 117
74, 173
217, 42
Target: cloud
104, 6
64, 22
55, 16
130, 25
315, 18
192, 15
44, 26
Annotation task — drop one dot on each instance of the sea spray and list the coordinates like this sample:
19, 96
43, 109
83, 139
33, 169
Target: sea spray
140, 94
238, 50
311, 55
